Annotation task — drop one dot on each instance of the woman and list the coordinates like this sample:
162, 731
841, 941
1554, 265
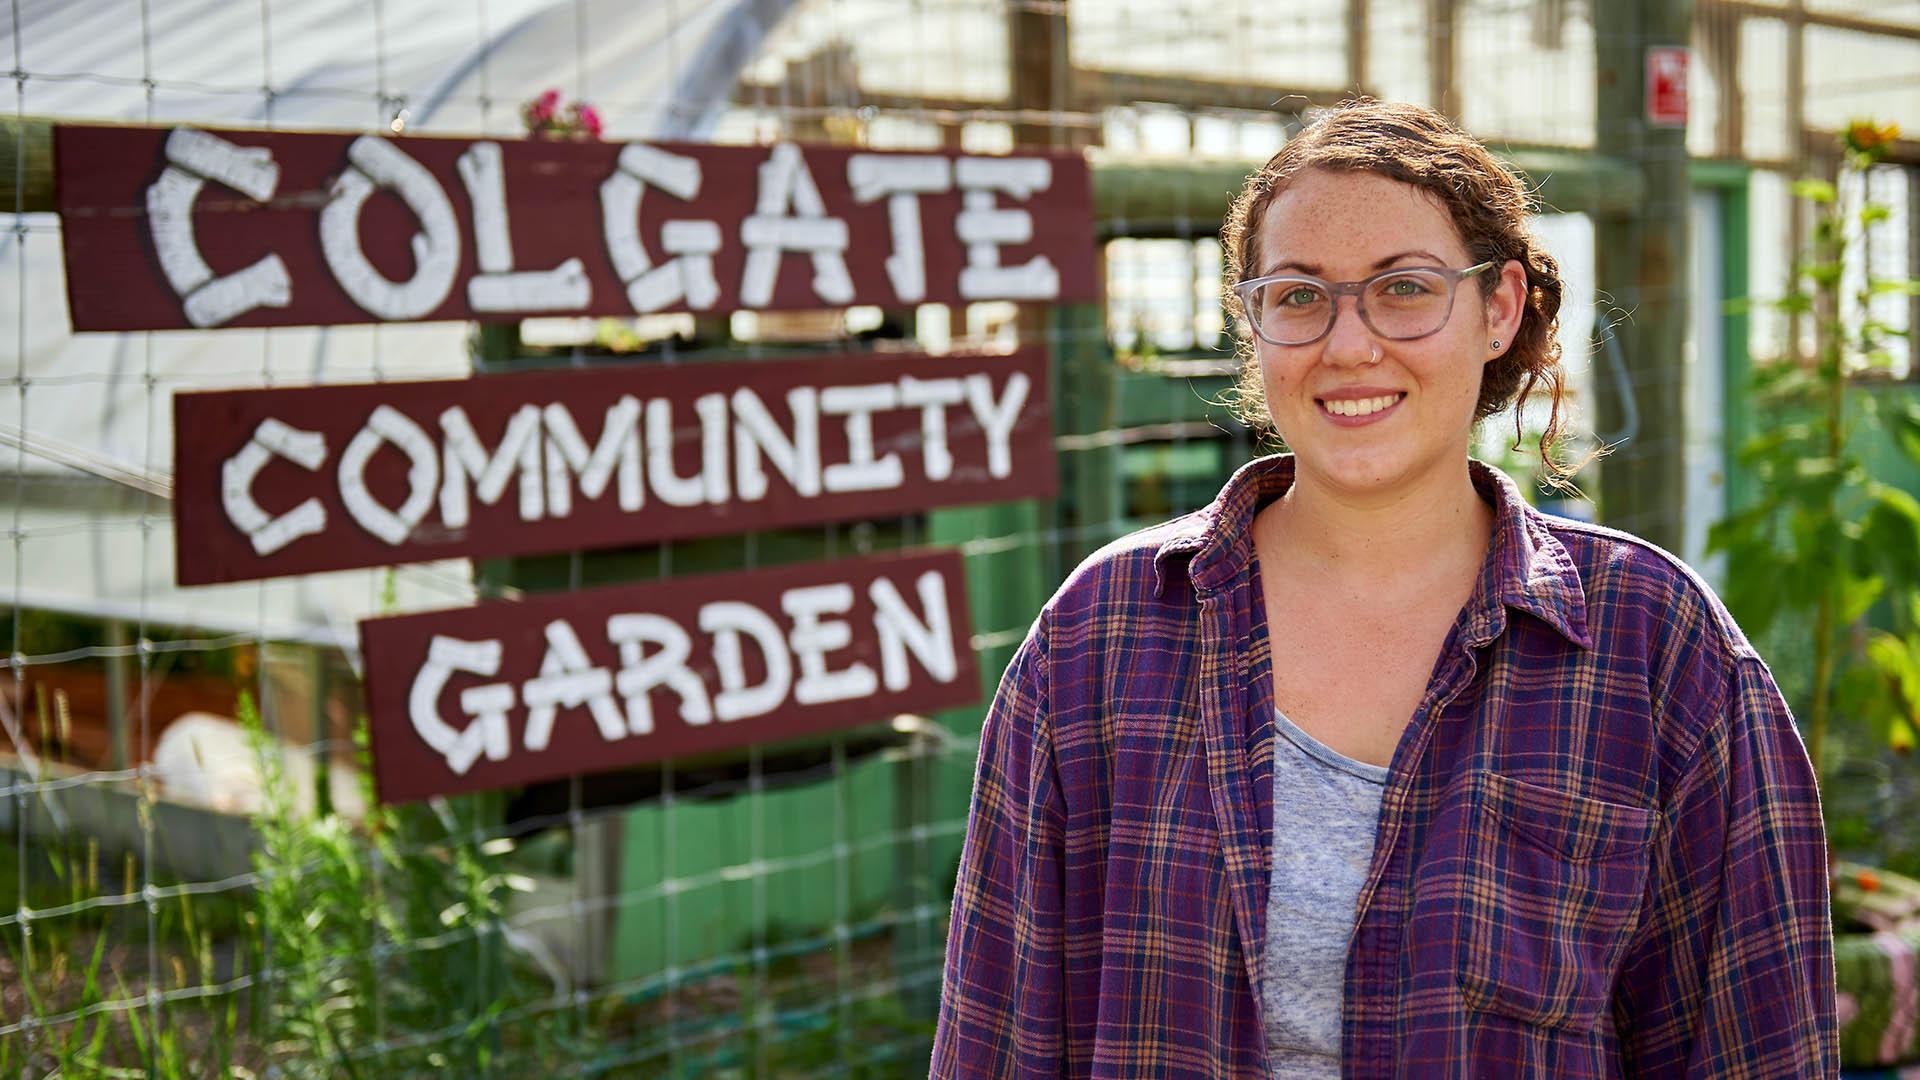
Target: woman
1368, 769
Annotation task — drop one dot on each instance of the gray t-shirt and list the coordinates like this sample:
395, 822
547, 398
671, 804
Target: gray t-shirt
1325, 808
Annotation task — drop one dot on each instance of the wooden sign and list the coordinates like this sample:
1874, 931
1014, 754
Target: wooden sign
304, 479
510, 693
169, 228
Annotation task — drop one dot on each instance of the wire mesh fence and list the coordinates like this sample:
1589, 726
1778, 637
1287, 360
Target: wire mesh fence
196, 881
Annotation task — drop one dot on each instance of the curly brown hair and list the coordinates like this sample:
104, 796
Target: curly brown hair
1488, 203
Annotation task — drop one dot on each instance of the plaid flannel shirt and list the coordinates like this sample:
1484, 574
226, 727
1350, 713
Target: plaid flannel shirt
1600, 850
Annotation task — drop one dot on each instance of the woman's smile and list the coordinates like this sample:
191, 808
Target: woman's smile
1349, 411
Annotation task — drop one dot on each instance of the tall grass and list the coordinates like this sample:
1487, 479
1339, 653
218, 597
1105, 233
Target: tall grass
383, 942
100, 975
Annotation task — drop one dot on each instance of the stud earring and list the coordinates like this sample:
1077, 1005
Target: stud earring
1496, 344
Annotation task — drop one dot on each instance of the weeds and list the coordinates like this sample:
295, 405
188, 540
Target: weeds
384, 944
380, 948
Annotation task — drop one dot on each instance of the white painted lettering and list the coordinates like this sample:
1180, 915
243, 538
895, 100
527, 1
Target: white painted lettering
789, 215
467, 458
931, 397
862, 471
498, 287
619, 445
307, 449
486, 706
710, 484
985, 228
929, 639
756, 435
388, 424
379, 163
569, 679
640, 674
193, 158
997, 418
688, 275
728, 621
812, 638
902, 179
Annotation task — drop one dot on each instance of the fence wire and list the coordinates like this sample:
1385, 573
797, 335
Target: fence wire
680, 935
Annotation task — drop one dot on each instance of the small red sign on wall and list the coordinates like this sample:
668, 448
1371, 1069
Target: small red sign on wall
1667, 85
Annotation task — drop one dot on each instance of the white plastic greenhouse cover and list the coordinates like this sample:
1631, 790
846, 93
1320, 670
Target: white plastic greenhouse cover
653, 68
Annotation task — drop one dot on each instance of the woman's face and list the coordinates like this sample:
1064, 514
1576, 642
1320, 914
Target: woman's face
1348, 226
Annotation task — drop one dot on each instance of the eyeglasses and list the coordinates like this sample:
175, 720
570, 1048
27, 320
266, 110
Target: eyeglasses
1410, 302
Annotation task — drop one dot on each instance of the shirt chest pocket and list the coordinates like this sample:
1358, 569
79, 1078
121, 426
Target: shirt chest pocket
1552, 888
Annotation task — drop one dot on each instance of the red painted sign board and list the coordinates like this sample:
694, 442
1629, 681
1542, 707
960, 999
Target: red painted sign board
515, 692
168, 228
304, 479
1666, 89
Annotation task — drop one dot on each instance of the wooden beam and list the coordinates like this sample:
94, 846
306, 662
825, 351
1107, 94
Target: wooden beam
1099, 88
1817, 144
1040, 75
26, 164
1163, 197
1133, 197
1722, 57
1093, 91
1796, 14
1442, 85
813, 98
1357, 46
1796, 101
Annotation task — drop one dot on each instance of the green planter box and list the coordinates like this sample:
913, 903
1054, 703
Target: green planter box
1876, 958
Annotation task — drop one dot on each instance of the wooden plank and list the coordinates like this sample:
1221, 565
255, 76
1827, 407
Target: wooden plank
1796, 13
512, 692
1442, 53
1184, 198
1357, 46
1098, 88
26, 164
299, 480
176, 227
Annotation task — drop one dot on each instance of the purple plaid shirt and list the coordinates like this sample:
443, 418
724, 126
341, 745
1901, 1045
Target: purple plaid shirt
1600, 849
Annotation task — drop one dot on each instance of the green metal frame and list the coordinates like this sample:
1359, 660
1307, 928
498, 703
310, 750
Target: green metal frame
1731, 182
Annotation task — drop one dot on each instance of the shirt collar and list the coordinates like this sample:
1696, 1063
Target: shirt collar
1527, 568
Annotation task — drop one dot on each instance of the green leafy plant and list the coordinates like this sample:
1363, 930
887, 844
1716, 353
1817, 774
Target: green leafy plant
1826, 540
384, 940
93, 983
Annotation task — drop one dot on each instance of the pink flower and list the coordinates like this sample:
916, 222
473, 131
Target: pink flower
540, 113
545, 117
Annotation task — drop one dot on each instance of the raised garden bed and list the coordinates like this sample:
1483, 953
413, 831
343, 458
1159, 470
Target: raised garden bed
1876, 943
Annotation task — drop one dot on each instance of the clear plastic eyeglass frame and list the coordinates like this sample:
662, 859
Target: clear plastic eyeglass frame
1334, 290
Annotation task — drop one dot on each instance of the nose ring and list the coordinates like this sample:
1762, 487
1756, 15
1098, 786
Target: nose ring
1376, 354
